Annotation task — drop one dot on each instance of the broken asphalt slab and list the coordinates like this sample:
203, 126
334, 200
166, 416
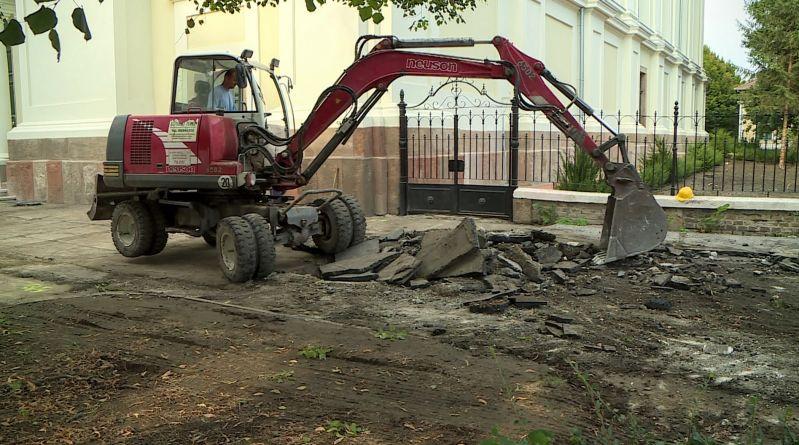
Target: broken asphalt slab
366, 263
441, 249
400, 270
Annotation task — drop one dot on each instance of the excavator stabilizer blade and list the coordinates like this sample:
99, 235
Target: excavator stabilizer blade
634, 222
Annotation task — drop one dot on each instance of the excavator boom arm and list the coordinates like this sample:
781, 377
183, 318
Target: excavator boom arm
634, 222
377, 70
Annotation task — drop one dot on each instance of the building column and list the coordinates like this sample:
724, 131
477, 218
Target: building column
5, 113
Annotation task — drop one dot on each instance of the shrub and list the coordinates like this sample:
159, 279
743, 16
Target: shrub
699, 156
581, 174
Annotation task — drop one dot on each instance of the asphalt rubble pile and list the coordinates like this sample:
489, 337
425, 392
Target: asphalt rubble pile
504, 269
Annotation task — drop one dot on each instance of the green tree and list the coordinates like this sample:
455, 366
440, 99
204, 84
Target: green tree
721, 97
772, 36
423, 12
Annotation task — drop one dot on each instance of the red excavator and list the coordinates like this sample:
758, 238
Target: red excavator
217, 167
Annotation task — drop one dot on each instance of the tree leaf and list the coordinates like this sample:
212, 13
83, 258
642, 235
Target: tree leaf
42, 20
310, 6
377, 17
79, 21
56, 42
12, 35
365, 13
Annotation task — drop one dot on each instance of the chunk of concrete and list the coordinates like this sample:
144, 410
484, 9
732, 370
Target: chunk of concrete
508, 238
567, 266
467, 265
394, 235
366, 263
418, 283
681, 282
559, 276
530, 268
400, 270
507, 262
367, 247
661, 279
354, 277
440, 249
548, 255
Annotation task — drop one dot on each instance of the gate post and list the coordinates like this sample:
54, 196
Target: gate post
514, 144
513, 177
403, 155
674, 149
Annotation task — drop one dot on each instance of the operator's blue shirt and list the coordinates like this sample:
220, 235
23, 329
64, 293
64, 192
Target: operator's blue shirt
222, 99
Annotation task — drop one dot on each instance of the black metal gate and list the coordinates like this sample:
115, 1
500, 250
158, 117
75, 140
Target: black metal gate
459, 154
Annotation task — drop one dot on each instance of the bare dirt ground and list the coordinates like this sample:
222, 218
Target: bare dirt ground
101, 349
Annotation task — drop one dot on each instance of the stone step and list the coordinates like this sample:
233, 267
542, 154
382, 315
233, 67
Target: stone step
3, 192
6, 198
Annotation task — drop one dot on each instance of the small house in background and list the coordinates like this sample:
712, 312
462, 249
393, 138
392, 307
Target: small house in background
746, 128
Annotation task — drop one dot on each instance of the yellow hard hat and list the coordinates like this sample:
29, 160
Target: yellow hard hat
685, 194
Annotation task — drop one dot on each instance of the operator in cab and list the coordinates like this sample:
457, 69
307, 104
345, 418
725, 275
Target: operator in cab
222, 97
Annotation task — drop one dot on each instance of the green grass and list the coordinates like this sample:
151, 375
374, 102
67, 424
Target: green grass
315, 352
572, 221
391, 334
342, 429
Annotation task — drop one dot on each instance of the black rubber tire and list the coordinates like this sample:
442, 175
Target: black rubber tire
358, 219
337, 228
210, 237
160, 236
140, 225
266, 244
239, 263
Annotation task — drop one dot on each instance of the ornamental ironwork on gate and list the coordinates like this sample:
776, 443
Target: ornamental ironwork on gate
458, 152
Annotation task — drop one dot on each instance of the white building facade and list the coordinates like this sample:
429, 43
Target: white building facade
622, 56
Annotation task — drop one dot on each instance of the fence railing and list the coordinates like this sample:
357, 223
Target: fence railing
669, 150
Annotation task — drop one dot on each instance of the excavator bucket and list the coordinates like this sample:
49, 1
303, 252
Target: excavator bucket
634, 222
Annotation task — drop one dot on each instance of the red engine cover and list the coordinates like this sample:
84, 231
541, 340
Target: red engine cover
186, 144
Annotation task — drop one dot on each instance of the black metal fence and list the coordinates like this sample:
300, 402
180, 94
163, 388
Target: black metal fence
670, 150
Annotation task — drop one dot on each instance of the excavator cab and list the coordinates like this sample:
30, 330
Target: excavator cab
235, 87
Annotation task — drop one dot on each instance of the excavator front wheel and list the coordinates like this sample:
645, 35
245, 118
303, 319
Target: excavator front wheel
336, 222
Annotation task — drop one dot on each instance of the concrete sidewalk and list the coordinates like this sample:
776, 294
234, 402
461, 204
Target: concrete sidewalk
63, 234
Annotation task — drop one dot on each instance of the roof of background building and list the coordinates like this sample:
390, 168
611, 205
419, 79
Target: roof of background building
746, 85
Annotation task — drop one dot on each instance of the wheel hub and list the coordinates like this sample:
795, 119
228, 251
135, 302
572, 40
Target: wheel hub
126, 229
227, 248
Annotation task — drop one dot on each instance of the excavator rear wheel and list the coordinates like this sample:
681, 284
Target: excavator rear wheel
336, 222
132, 228
160, 236
265, 242
236, 248
358, 219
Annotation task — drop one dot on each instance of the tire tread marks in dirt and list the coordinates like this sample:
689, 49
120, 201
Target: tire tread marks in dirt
338, 228
245, 260
358, 219
143, 227
266, 244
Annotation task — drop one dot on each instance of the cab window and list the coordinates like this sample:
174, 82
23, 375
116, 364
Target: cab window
200, 87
